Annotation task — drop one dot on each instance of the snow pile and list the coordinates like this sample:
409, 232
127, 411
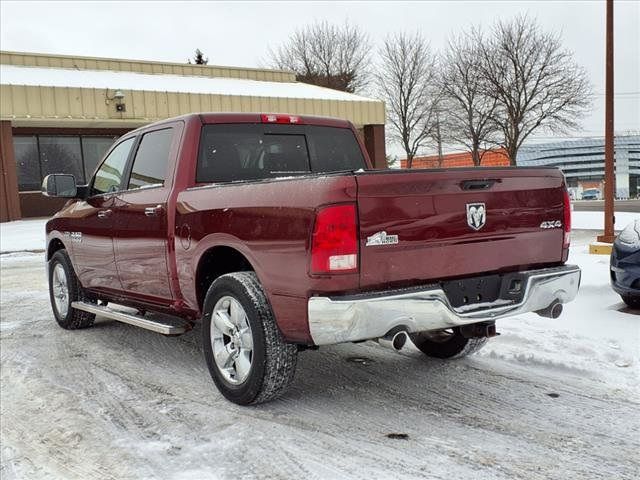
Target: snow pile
22, 235
595, 220
596, 338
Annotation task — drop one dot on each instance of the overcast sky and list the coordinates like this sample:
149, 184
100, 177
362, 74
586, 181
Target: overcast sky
237, 33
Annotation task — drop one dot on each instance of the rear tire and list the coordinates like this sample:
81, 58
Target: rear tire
64, 289
449, 343
248, 358
632, 302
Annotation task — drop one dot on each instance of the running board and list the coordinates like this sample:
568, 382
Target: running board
134, 320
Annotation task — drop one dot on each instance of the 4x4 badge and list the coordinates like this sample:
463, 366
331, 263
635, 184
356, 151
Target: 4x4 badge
476, 215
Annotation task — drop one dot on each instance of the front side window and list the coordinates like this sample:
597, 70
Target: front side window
150, 165
255, 151
109, 176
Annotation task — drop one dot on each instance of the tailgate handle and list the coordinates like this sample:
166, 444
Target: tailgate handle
478, 184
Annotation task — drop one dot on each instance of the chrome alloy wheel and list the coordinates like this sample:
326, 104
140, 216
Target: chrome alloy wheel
60, 290
231, 340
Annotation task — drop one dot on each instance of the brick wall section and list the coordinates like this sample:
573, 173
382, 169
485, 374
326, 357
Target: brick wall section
375, 145
492, 158
9, 200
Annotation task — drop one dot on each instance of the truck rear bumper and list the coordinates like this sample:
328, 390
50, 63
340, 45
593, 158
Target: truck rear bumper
367, 316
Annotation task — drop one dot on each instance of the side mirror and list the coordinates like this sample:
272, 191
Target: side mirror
60, 185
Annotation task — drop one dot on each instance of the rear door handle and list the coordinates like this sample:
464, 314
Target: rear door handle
104, 213
153, 211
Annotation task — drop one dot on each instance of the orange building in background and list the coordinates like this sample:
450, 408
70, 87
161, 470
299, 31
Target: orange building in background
492, 158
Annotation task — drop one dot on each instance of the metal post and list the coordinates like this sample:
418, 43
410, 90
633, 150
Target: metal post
439, 139
609, 178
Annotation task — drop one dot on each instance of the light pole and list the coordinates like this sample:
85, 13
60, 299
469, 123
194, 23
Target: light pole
609, 178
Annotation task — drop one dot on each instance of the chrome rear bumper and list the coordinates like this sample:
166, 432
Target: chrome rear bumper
368, 316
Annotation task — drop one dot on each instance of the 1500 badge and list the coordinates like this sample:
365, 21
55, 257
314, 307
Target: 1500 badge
381, 238
75, 237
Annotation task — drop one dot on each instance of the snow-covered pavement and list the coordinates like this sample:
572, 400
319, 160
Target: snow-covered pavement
546, 399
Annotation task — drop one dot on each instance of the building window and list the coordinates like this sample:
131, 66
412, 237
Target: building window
39, 155
28, 166
61, 155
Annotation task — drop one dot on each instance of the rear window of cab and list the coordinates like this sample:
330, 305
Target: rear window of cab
241, 152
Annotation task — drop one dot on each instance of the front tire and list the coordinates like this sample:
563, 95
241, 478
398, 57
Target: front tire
247, 357
449, 343
64, 289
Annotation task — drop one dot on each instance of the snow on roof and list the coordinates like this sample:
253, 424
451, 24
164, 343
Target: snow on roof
61, 77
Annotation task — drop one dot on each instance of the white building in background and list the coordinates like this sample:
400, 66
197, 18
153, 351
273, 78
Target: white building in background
582, 162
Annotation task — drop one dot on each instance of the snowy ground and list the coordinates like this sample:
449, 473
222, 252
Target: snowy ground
546, 399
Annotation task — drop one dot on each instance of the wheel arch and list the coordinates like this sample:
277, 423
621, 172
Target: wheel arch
55, 244
216, 261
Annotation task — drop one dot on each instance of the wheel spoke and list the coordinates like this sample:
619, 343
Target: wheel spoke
243, 365
246, 338
236, 313
222, 322
223, 357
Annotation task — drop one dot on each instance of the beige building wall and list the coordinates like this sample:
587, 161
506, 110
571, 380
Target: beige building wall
63, 111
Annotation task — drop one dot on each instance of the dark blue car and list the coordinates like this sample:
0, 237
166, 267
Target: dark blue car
625, 265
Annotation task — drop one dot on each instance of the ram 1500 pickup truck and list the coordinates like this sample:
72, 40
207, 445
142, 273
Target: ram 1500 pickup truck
275, 232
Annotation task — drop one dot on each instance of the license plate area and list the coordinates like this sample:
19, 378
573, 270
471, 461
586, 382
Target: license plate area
485, 289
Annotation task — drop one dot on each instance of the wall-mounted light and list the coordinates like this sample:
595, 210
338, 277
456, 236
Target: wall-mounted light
118, 97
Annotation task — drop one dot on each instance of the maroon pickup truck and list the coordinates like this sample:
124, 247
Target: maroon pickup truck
277, 234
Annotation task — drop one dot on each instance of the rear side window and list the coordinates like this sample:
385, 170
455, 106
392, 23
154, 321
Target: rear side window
150, 165
109, 176
239, 152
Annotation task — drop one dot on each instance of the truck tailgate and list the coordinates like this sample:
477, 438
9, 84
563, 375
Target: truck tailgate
455, 223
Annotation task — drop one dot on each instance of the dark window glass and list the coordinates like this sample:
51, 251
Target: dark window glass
254, 151
28, 166
150, 166
61, 155
334, 149
109, 176
93, 149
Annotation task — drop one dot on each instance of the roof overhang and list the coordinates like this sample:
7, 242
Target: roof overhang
39, 96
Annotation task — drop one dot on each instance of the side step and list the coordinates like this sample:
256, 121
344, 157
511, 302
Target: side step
135, 320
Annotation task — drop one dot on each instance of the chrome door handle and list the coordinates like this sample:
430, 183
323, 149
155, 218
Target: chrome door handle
153, 211
104, 213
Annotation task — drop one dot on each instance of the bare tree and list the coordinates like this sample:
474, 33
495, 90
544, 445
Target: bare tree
468, 111
333, 56
407, 82
535, 81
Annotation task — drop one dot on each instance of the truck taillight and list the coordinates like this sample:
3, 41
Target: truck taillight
567, 219
279, 118
334, 245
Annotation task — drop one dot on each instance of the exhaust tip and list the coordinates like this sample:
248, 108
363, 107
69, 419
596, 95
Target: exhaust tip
556, 310
394, 339
552, 311
399, 340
